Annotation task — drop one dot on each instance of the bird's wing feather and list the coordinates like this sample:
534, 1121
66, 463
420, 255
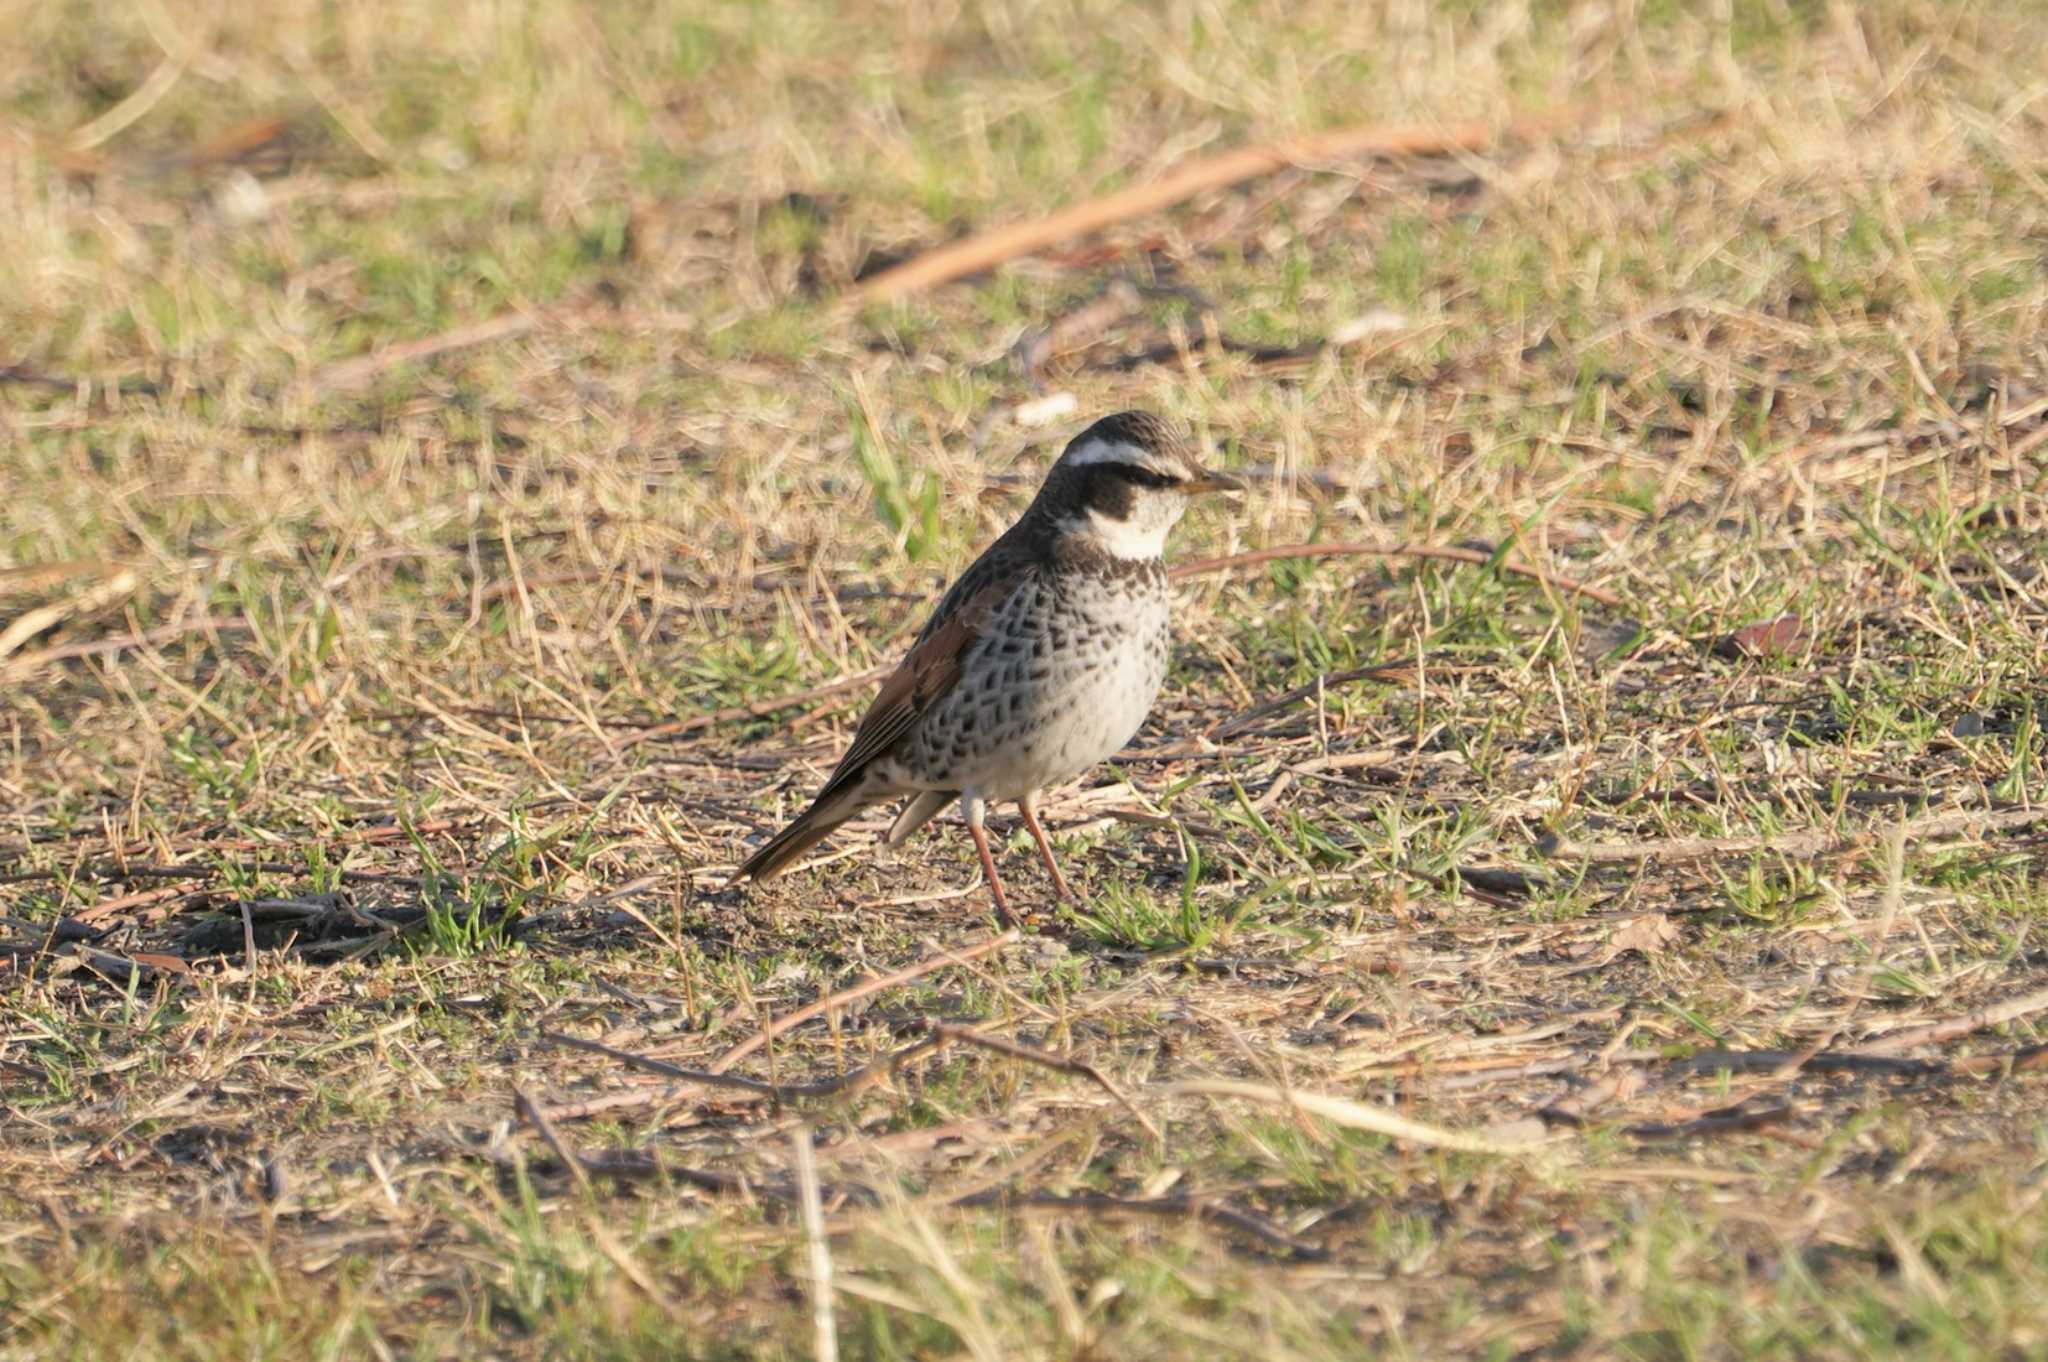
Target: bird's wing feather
927, 672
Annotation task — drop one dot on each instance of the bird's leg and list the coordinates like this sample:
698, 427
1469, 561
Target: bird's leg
972, 807
995, 881
1029, 805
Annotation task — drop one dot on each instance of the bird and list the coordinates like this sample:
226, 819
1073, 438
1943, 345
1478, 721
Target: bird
1041, 660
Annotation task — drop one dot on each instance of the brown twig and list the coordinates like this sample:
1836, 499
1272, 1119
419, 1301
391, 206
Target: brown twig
1081, 327
106, 647
611, 1101
1729, 1120
1772, 1061
937, 960
1811, 842
524, 1104
36, 577
348, 374
26, 377
135, 900
1997, 1014
1345, 1112
947, 1033
124, 970
1202, 566
1576, 1108
2022, 1061
957, 259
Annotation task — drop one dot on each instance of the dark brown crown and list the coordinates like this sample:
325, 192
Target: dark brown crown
1158, 459
1139, 428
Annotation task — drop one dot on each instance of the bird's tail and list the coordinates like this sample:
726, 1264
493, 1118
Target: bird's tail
810, 827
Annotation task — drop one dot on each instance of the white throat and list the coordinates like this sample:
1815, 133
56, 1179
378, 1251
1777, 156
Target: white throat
1125, 538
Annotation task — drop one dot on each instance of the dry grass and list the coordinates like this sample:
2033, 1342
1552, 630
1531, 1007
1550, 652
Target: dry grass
350, 776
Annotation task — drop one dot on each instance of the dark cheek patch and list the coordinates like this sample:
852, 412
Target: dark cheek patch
1110, 494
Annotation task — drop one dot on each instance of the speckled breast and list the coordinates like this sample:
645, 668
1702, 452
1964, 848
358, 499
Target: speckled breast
1063, 674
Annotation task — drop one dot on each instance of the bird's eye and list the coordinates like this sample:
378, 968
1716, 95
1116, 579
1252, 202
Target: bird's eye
1144, 477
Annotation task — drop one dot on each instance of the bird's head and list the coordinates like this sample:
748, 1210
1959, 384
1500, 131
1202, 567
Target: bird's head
1124, 482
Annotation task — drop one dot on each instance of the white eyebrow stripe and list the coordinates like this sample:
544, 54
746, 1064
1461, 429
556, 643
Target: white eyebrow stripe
1117, 451
1111, 451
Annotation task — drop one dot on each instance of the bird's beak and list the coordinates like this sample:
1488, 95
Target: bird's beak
1211, 481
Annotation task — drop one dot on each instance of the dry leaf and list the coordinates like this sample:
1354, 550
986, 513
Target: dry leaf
1771, 638
1649, 933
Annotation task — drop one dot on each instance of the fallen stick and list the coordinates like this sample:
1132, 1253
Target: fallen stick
1875, 1058
1776, 1061
1729, 1121
2022, 1061
536, 1116
1935, 1033
1340, 549
345, 375
1811, 842
946, 1033
106, 647
1078, 328
946, 263
135, 900
28, 378
1344, 1112
21, 581
125, 970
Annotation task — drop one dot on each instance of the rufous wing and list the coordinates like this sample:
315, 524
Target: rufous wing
930, 669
